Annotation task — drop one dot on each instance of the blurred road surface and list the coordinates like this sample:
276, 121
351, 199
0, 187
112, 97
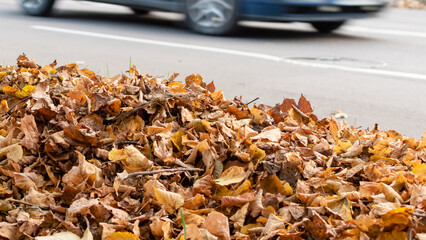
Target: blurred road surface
374, 70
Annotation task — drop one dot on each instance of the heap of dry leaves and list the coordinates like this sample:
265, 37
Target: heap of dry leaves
138, 157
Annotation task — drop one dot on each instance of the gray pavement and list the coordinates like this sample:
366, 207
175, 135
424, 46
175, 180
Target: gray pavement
380, 78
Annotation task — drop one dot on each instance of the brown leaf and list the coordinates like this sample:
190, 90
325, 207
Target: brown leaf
172, 201
31, 134
161, 228
81, 206
319, 227
272, 134
341, 207
230, 176
204, 185
304, 105
8, 230
84, 171
239, 217
228, 201
131, 157
27, 181
217, 224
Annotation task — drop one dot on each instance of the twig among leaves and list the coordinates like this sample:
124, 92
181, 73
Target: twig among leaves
164, 171
28, 204
300, 112
257, 98
16, 104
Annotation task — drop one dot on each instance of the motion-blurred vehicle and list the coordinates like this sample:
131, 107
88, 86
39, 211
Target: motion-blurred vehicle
220, 17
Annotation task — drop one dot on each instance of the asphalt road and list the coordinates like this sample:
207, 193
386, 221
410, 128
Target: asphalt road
374, 70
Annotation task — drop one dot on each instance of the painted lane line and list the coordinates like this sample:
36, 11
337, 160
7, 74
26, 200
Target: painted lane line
161, 43
233, 52
358, 70
384, 31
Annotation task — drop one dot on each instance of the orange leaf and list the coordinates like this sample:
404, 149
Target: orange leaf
122, 236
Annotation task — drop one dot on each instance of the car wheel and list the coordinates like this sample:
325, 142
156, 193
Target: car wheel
139, 11
37, 7
212, 17
327, 27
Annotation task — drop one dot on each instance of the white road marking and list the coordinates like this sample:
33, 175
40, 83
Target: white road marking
384, 31
233, 52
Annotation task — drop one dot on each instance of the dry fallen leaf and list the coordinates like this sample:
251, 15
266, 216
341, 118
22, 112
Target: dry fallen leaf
217, 224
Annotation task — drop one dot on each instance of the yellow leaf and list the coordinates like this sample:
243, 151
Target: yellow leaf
2, 74
221, 191
230, 176
287, 189
122, 236
422, 143
177, 139
394, 235
342, 207
272, 184
380, 150
398, 218
130, 157
420, 170
244, 187
4, 106
342, 146
256, 153
172, 201
259, 116
8, 90
25, 92
3, 132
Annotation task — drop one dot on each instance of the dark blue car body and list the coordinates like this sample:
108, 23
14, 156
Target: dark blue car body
218, 17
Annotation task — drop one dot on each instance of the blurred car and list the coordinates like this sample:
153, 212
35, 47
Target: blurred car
219, 17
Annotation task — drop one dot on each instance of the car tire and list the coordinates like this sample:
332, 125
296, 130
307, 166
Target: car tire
327, 27
37, 7
139, 11
212, 17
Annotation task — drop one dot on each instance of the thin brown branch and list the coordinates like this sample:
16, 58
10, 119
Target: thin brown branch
170, 170
300, 112
126, 114
28, 204
257, 98
16, 104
